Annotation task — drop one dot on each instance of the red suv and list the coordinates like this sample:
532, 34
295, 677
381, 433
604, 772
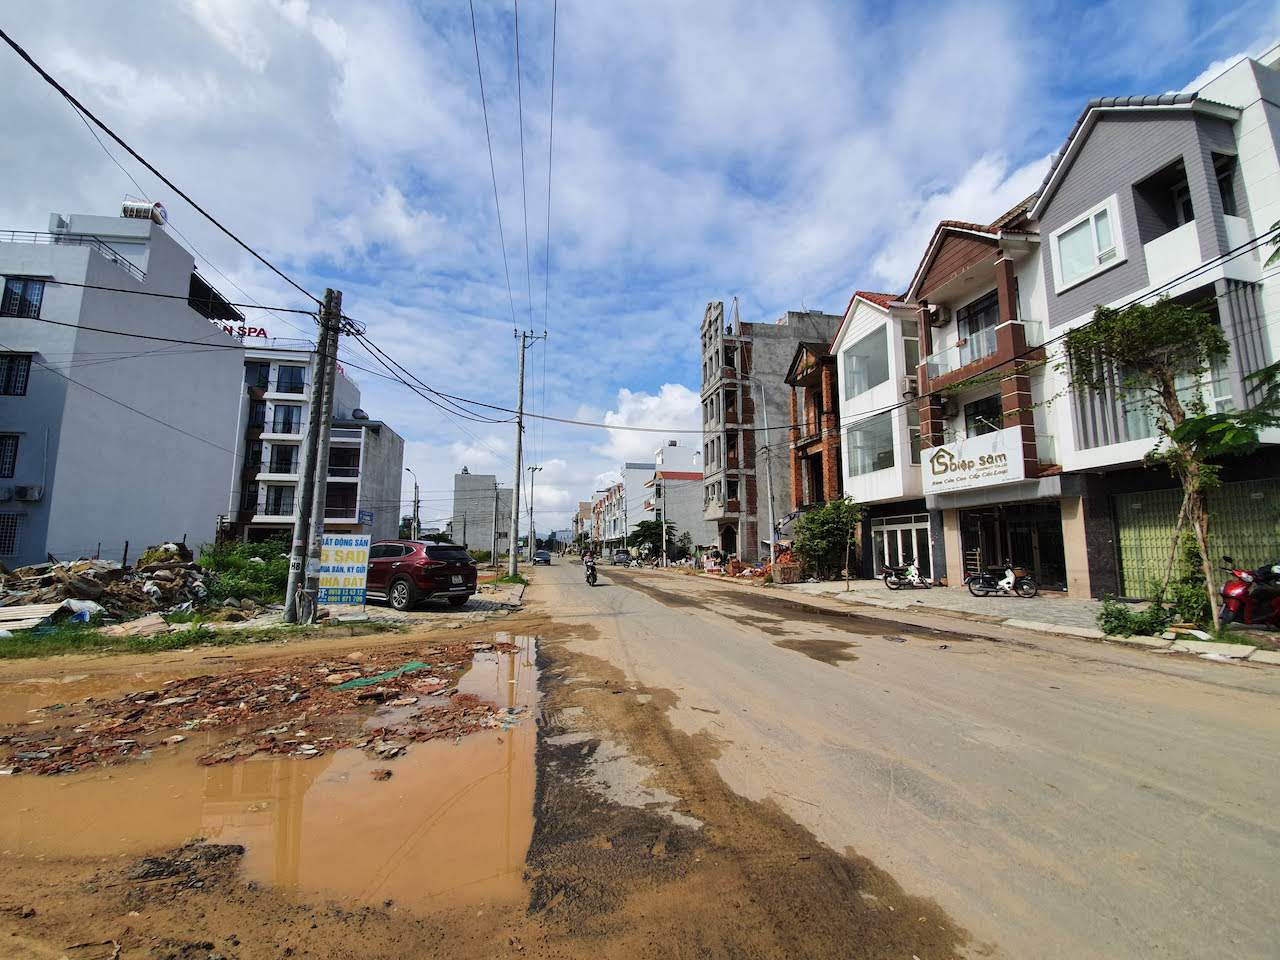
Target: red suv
403, 572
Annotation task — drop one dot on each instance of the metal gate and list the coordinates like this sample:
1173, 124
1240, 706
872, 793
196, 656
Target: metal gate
1244, 522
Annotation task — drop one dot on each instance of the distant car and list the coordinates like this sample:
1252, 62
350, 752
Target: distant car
406, 572
620, 558
542, 556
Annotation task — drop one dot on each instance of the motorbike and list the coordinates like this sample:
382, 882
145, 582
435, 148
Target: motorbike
1007, 585
895, 578
590, 565
1252, 597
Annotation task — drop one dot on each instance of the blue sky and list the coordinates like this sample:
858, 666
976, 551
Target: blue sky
783, 153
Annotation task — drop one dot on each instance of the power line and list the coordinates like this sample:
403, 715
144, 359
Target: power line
524, 197
502, 239
121, 403
66, 94
186, 298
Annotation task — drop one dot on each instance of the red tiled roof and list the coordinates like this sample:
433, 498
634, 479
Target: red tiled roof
678, 475
885, 300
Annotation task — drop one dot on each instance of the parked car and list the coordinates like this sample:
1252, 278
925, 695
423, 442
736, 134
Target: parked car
620, 558
542, 556
406, 572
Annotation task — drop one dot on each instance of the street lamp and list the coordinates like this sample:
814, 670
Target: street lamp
533, 536
416, 529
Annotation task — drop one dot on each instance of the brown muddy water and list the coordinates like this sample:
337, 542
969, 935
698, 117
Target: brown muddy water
452, 824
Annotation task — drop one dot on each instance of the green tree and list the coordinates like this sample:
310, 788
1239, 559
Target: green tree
647, 537
406, 528
1161, 354
824, 535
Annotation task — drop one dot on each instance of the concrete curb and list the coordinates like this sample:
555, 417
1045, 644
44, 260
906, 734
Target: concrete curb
1087, 633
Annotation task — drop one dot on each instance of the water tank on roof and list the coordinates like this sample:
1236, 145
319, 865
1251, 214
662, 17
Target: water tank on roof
144, 210
358, 414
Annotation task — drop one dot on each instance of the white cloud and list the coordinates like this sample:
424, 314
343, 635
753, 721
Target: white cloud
674, 405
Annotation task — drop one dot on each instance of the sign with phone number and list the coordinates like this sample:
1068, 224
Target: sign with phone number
344, 568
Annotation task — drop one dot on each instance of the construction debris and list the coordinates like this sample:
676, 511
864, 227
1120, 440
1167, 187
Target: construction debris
293, 708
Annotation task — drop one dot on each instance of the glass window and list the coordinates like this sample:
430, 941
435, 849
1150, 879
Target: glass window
1085, 247
983, 416
866, 363
256, 373
15, 370
10, 533
22, 297
289, 379
8, 453
284, 458
258, 413
911, 345
913, 431
286, 418
870, 445
280, 501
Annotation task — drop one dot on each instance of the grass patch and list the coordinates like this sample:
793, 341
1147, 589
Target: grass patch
89, 638
518, 578
259, 571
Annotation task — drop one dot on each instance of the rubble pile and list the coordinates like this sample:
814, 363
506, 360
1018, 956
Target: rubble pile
123, 592
300, 708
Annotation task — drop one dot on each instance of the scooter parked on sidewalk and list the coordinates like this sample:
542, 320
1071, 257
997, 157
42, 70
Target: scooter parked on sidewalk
1008, 585
895, 578
590, 564
1253, 597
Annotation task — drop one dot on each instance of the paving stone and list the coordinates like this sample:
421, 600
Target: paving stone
1265, 656
1236, 651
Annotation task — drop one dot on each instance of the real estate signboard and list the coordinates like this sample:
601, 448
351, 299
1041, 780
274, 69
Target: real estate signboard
974, 462
344, 568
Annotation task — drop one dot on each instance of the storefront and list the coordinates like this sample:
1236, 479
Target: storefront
1028, 535
900, 540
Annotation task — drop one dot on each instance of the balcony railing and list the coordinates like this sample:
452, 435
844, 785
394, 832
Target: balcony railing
76, 240
1046, 448
284, 386
283, 467
284, 426
352, 472
343, 433
281, 508
340, 513
967, 351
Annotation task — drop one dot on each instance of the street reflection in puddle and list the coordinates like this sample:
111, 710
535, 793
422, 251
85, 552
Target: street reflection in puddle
452, 823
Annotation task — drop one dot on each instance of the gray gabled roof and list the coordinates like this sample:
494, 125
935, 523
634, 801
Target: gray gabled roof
1088, 116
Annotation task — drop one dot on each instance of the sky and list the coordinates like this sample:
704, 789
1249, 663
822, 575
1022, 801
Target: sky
785, 154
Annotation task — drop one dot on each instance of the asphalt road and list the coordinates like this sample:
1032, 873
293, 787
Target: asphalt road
1058, 798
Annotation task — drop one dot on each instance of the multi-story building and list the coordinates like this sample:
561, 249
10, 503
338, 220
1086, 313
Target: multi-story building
366, 457
476, 496
107, 439
1161, 197
582, 520
623, 504
877, 351
675, 493
744, 368
815, 426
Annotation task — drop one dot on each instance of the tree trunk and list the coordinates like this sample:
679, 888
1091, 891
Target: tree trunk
1198, 514
1177, 542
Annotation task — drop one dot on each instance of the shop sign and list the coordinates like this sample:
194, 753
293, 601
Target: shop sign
974, 462
344, 568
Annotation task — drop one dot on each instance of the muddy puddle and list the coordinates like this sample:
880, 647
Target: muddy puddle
451, 824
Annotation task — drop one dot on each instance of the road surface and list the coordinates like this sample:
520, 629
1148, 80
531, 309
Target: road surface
1057, 798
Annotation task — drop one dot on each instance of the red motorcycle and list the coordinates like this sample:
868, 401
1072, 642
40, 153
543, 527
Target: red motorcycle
1252, 597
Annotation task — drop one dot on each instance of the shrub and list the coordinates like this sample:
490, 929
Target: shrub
1123, 620
259, 571
481, 556
825, 534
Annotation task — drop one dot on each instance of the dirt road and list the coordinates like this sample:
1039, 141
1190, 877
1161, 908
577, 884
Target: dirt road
1056, 798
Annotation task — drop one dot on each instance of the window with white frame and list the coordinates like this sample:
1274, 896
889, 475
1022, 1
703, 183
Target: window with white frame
869, 445
1087, 245
866, 363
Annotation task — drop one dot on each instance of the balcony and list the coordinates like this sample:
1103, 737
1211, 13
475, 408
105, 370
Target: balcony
285, 428
345, 435
339, 471
278, 508
340, 514
969, 350
1172, 254
72, 239
1046, 449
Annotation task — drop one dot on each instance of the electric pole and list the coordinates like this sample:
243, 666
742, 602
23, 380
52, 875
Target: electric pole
533, 536
415, 528
302, 518
513, 561
330, 325
493, 558
768, 477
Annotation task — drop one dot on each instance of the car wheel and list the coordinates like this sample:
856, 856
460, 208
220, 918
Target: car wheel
401, 595
458, 601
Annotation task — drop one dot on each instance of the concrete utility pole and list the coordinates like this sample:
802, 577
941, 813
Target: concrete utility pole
493, 557
513, 553
415, 529
331, 324
768, 478
662, 523
302, 520
533, 536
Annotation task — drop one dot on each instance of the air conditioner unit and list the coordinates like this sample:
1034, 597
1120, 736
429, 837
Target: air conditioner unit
939, 316
29, 492
910, 387
950, 407
6, 494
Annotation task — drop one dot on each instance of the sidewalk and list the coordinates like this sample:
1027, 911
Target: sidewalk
1074, 617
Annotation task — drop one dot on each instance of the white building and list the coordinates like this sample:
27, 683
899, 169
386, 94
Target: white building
676, 493
108, 439
366, 457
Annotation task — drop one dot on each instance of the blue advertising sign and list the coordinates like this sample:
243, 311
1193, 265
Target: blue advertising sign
366, 516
